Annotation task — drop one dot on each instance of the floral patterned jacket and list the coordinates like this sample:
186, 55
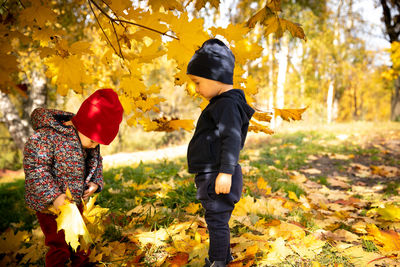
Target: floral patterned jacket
54, 160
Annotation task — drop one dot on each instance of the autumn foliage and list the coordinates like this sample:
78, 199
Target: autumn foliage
118, 39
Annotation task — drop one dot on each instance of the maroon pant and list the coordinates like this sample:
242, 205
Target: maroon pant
59, 252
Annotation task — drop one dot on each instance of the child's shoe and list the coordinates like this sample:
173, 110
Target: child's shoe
230, 257
214, 263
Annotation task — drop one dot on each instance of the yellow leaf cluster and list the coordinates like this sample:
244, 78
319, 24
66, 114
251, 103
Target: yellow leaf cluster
268, 16
289, 114
67, 72
71, 221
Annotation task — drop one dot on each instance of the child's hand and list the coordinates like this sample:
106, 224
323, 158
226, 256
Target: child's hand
59, 201
92, 187
223, 183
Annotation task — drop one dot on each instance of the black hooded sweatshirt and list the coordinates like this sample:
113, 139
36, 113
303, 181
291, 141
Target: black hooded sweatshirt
220, 134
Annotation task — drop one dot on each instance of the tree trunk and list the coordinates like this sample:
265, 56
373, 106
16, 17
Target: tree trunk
329, 102
16, 127
19, 126
37, 96
391, 9
283, 65
395, 107
271, 76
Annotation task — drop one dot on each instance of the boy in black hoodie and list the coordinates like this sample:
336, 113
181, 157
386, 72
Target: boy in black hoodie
213, 152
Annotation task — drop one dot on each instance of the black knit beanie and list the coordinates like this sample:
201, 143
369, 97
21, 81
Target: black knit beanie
214, 61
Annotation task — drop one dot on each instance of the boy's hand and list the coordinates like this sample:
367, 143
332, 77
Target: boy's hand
92, 187
223, 183
59, 201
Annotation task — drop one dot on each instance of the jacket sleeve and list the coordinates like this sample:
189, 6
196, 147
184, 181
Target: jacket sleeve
40, 187
97, 178
229, 124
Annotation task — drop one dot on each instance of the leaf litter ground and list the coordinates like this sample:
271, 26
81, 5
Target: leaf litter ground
310, 198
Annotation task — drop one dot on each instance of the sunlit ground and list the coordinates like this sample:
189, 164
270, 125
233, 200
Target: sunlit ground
313, 195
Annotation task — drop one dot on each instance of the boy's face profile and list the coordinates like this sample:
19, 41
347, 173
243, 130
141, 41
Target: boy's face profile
206, 87
86, 141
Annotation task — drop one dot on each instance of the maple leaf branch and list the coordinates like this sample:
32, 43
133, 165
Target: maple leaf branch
98, 22
3, 5
147, 28
116, 36
115, 14
130, 22
21, 3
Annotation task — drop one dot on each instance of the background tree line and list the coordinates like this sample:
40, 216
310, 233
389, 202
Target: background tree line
334, 73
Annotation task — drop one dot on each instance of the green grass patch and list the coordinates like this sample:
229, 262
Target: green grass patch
369, 246
392, 188
329, 256
13, 208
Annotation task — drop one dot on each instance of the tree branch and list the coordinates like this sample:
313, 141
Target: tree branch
147, 28
98, 22
390, 29
21, 3
129, 22
104, 2
116, 36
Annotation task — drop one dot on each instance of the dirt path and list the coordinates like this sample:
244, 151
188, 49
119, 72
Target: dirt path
126, 159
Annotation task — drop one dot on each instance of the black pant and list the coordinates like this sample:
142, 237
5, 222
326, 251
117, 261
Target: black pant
218, 210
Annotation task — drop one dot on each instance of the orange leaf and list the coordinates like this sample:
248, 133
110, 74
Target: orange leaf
252, 250
180, 259
387, 240
261, 16
289, 114
262, 116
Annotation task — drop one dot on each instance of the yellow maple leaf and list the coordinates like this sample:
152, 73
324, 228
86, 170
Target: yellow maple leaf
295, 29
262, 116
273, 25
184, 124
390, 212
91, 212
252, 250
150, 20
118, 6
289, 114
292, 195
43, 34
261, 16
80, 48
163, 124
278, 252
10, 242
66, 72
71, 221
38, 13
181, 52
232, 32
156, 238
201, 3
287, 231
274, 5
244, 50
8, 65
37, 248
132, 87
150, 52
193, 208
251, 88
262, 184
167, 5
257, 127
307, 247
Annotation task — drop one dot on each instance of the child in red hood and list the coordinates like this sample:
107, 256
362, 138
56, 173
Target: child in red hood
64, 152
